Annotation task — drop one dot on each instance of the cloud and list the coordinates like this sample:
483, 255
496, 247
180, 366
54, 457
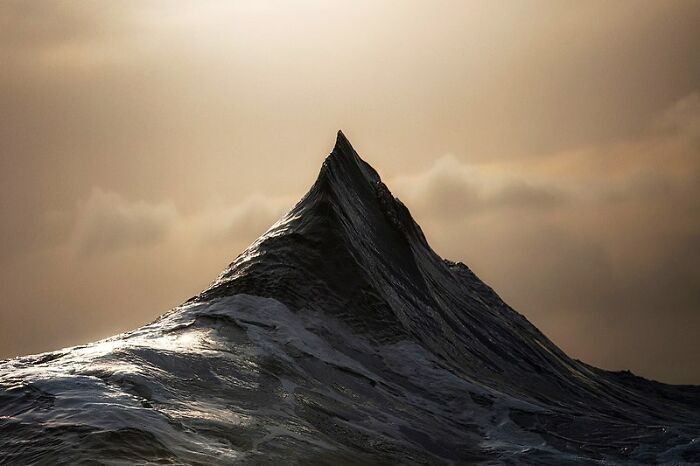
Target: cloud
245, 220
453, 189
683, 116
597, 246
106, 222
58, 34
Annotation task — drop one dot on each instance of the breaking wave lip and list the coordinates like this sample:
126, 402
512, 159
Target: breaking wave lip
339, 337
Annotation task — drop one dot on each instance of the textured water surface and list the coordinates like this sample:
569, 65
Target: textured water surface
339, 337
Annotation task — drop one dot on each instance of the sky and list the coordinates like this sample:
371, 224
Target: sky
553, 146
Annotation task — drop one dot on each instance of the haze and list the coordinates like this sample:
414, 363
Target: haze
554, 147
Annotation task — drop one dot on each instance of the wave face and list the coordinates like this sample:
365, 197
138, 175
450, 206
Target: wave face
339, 337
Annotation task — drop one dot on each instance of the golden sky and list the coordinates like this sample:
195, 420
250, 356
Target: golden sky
553, 146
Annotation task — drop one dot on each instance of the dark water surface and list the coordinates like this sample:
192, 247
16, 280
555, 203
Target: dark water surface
339, 337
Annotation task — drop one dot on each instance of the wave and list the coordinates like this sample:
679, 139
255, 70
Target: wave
339, 337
